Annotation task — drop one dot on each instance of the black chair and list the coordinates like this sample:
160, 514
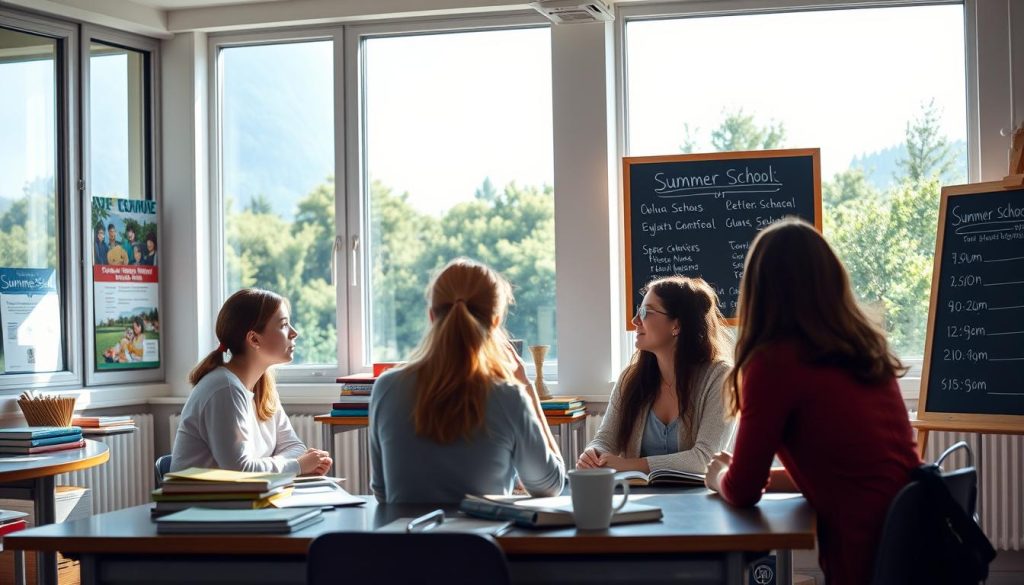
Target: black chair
162, 466
903, 547
381, 557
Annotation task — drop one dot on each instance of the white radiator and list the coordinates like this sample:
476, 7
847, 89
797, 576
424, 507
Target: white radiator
1000, 463
348, 447
127, 478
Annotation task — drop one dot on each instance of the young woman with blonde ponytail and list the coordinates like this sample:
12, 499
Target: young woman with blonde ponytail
233, 419
461, 417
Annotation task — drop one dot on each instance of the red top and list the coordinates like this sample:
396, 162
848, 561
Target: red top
846, 445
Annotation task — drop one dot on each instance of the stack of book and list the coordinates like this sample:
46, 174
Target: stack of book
564, 407
12, 521
220, 489
104, 425
31, 440
205, 521
354, 401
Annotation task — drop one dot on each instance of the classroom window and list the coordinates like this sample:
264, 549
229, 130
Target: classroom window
34, 338
117, 122
458, 162
276, 118
882, 92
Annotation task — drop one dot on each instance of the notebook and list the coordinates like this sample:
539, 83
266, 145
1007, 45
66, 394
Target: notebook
662, 477
546, 512
214, 521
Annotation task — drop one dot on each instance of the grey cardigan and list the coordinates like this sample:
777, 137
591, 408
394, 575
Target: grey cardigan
713, 431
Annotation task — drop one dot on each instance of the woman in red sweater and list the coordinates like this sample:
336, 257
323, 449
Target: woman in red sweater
815, 383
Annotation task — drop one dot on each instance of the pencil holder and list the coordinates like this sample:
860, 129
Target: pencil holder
52, 411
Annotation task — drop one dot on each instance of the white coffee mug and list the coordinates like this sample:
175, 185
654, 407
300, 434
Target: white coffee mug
592, 491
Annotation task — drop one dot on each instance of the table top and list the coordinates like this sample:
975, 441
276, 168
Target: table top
695, 520
21, 467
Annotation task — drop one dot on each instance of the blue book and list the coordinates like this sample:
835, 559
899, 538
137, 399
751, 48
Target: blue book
38, 432
350, 412
70, 438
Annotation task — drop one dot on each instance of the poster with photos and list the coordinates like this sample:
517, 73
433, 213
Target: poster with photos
126, 277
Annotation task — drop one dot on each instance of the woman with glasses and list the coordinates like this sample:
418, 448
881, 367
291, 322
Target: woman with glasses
461, 417
666, 412
815, 384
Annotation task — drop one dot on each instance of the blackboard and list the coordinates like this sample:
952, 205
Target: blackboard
974, 353
696, 214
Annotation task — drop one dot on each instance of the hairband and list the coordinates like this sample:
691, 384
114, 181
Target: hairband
221, 348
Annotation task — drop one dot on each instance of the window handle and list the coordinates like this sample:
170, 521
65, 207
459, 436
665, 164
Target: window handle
354, 267
334, 260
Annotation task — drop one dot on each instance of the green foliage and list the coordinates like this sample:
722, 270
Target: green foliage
739, 131
929, 153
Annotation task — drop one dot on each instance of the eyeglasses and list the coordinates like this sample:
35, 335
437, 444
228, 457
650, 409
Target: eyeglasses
642, 310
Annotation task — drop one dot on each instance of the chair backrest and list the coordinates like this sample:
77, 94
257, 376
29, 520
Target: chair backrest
162, 466
380, 557
903, 546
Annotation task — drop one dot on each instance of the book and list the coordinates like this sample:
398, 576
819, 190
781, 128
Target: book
364, 378
37, 432
662, 477
11, 450
101, 421
345, 401
113, 430
40, 442
561, 405
200, 480
12, 526
159, 496
546, 512
167, 507
566, 413
350, 412
11, 516
319, 494
214, 521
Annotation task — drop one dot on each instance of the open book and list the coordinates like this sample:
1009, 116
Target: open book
546, 512
662, 477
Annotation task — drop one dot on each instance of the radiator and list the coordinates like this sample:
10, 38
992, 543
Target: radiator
127, 478
1000, 463
348, 447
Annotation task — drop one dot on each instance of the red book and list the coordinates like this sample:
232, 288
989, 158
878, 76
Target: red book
364, 378
12, 527
11, 450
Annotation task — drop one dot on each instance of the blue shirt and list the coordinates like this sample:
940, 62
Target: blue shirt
409, 468
659, 438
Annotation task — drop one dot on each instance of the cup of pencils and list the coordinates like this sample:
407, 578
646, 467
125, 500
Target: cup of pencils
47, 410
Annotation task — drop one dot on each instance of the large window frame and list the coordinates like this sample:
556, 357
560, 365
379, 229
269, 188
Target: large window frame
152, 181
977, 150
351, 263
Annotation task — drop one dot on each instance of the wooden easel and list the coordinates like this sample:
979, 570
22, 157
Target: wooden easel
1016, 176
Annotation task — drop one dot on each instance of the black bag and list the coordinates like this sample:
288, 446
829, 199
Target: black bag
956, 551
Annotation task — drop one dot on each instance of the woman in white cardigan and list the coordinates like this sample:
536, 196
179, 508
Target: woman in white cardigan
666, 411
233, 418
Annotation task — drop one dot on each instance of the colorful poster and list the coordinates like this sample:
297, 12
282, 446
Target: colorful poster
126, 291
30, 311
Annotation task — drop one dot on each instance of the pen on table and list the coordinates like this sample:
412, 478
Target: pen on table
426, 522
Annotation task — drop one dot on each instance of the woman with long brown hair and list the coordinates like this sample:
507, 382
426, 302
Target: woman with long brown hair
815, 383
233, 418
666, 411
461, 417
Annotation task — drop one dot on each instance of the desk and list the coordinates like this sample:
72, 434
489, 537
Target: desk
572, 437
31, 477
701, 539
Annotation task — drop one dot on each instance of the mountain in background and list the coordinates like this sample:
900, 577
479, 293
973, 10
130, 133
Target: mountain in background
882, 166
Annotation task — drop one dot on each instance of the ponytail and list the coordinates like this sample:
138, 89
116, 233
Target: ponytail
211, 362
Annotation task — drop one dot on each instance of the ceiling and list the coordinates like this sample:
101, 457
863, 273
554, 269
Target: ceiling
182, 4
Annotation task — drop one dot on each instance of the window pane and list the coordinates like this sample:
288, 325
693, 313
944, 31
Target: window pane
277, 173
881, 91
117, 129
459, 157
32, 332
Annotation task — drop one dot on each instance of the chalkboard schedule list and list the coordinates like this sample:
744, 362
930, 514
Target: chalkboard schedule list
695, 215
974, 357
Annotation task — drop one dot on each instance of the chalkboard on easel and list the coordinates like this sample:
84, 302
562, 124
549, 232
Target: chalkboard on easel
974, 353
696, 214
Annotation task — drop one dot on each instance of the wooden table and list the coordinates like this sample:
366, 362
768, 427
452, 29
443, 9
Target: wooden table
701, 539
32, 477
572, 436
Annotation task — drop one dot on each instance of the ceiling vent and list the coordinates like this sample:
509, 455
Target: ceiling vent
573, 11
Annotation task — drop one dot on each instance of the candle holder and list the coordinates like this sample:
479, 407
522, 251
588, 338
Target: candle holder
538, 352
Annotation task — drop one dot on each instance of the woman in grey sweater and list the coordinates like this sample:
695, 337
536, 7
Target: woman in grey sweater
461, 417
666, 411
